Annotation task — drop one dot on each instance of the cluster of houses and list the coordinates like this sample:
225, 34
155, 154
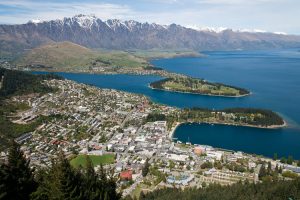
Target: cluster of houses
82, 119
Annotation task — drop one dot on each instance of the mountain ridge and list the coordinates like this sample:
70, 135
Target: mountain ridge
80, 18
92, 32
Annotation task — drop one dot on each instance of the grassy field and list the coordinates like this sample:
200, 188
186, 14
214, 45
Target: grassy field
67, 56
200, 87
63, 55
120, 58
96, 160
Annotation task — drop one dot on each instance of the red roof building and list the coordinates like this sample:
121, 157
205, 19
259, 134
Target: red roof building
126, 175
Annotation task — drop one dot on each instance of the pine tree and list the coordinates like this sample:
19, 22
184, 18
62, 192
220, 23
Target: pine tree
60, 181
145, 169
17, 180
262, 172
290, 160
107, 185
283, 160
3, 185
91, 182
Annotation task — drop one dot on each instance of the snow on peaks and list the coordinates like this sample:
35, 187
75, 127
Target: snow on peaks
280, 33
207, 29
114, 23
260, 31
252, 31
35, 21
221, 29
85, 21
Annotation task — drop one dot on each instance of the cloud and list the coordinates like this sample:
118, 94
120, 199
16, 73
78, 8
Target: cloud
236, 2
271, 15
58, 10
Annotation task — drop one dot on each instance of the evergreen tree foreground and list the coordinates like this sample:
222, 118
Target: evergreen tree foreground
60, 181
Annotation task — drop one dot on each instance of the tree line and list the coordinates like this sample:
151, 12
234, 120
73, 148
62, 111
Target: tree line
269, 117
159, 84
261, 117
60, 181
18, 82
276, 190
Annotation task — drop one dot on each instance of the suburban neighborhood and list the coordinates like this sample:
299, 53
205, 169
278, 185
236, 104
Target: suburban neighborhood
112, 128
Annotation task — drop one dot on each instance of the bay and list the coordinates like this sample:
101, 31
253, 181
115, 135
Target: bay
273, 77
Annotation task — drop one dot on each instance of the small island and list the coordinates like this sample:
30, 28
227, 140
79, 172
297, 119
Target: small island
198, 86
70, 57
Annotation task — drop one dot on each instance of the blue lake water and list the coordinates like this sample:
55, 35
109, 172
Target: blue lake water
273, 77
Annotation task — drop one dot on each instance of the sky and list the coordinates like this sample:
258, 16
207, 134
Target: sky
269, 15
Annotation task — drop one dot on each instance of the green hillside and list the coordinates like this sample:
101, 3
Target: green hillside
18, 83
67, 56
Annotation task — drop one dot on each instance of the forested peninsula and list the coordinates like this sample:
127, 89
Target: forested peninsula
259, 118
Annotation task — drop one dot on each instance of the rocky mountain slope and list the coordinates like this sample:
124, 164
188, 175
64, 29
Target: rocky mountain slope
93, 32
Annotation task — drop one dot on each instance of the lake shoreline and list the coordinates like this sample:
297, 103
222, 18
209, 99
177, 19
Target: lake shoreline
173, 129
149, 84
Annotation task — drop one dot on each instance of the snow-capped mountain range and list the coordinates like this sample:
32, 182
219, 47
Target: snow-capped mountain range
86, 21
90, 31
221, 29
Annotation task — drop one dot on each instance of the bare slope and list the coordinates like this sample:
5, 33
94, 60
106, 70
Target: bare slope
67, 56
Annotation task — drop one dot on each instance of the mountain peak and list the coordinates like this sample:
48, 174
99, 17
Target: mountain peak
90, 31
85, 21
35, 21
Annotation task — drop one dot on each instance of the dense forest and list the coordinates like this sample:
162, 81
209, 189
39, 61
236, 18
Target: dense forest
251, 116
153, 68
17, 82
159, 84
59, 181
246, 116
155, 116
280, 190
268, 117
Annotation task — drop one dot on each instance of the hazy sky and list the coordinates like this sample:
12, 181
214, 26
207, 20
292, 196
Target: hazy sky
270, 15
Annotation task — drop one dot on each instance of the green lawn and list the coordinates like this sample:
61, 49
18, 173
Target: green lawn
194, 85
97, 160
